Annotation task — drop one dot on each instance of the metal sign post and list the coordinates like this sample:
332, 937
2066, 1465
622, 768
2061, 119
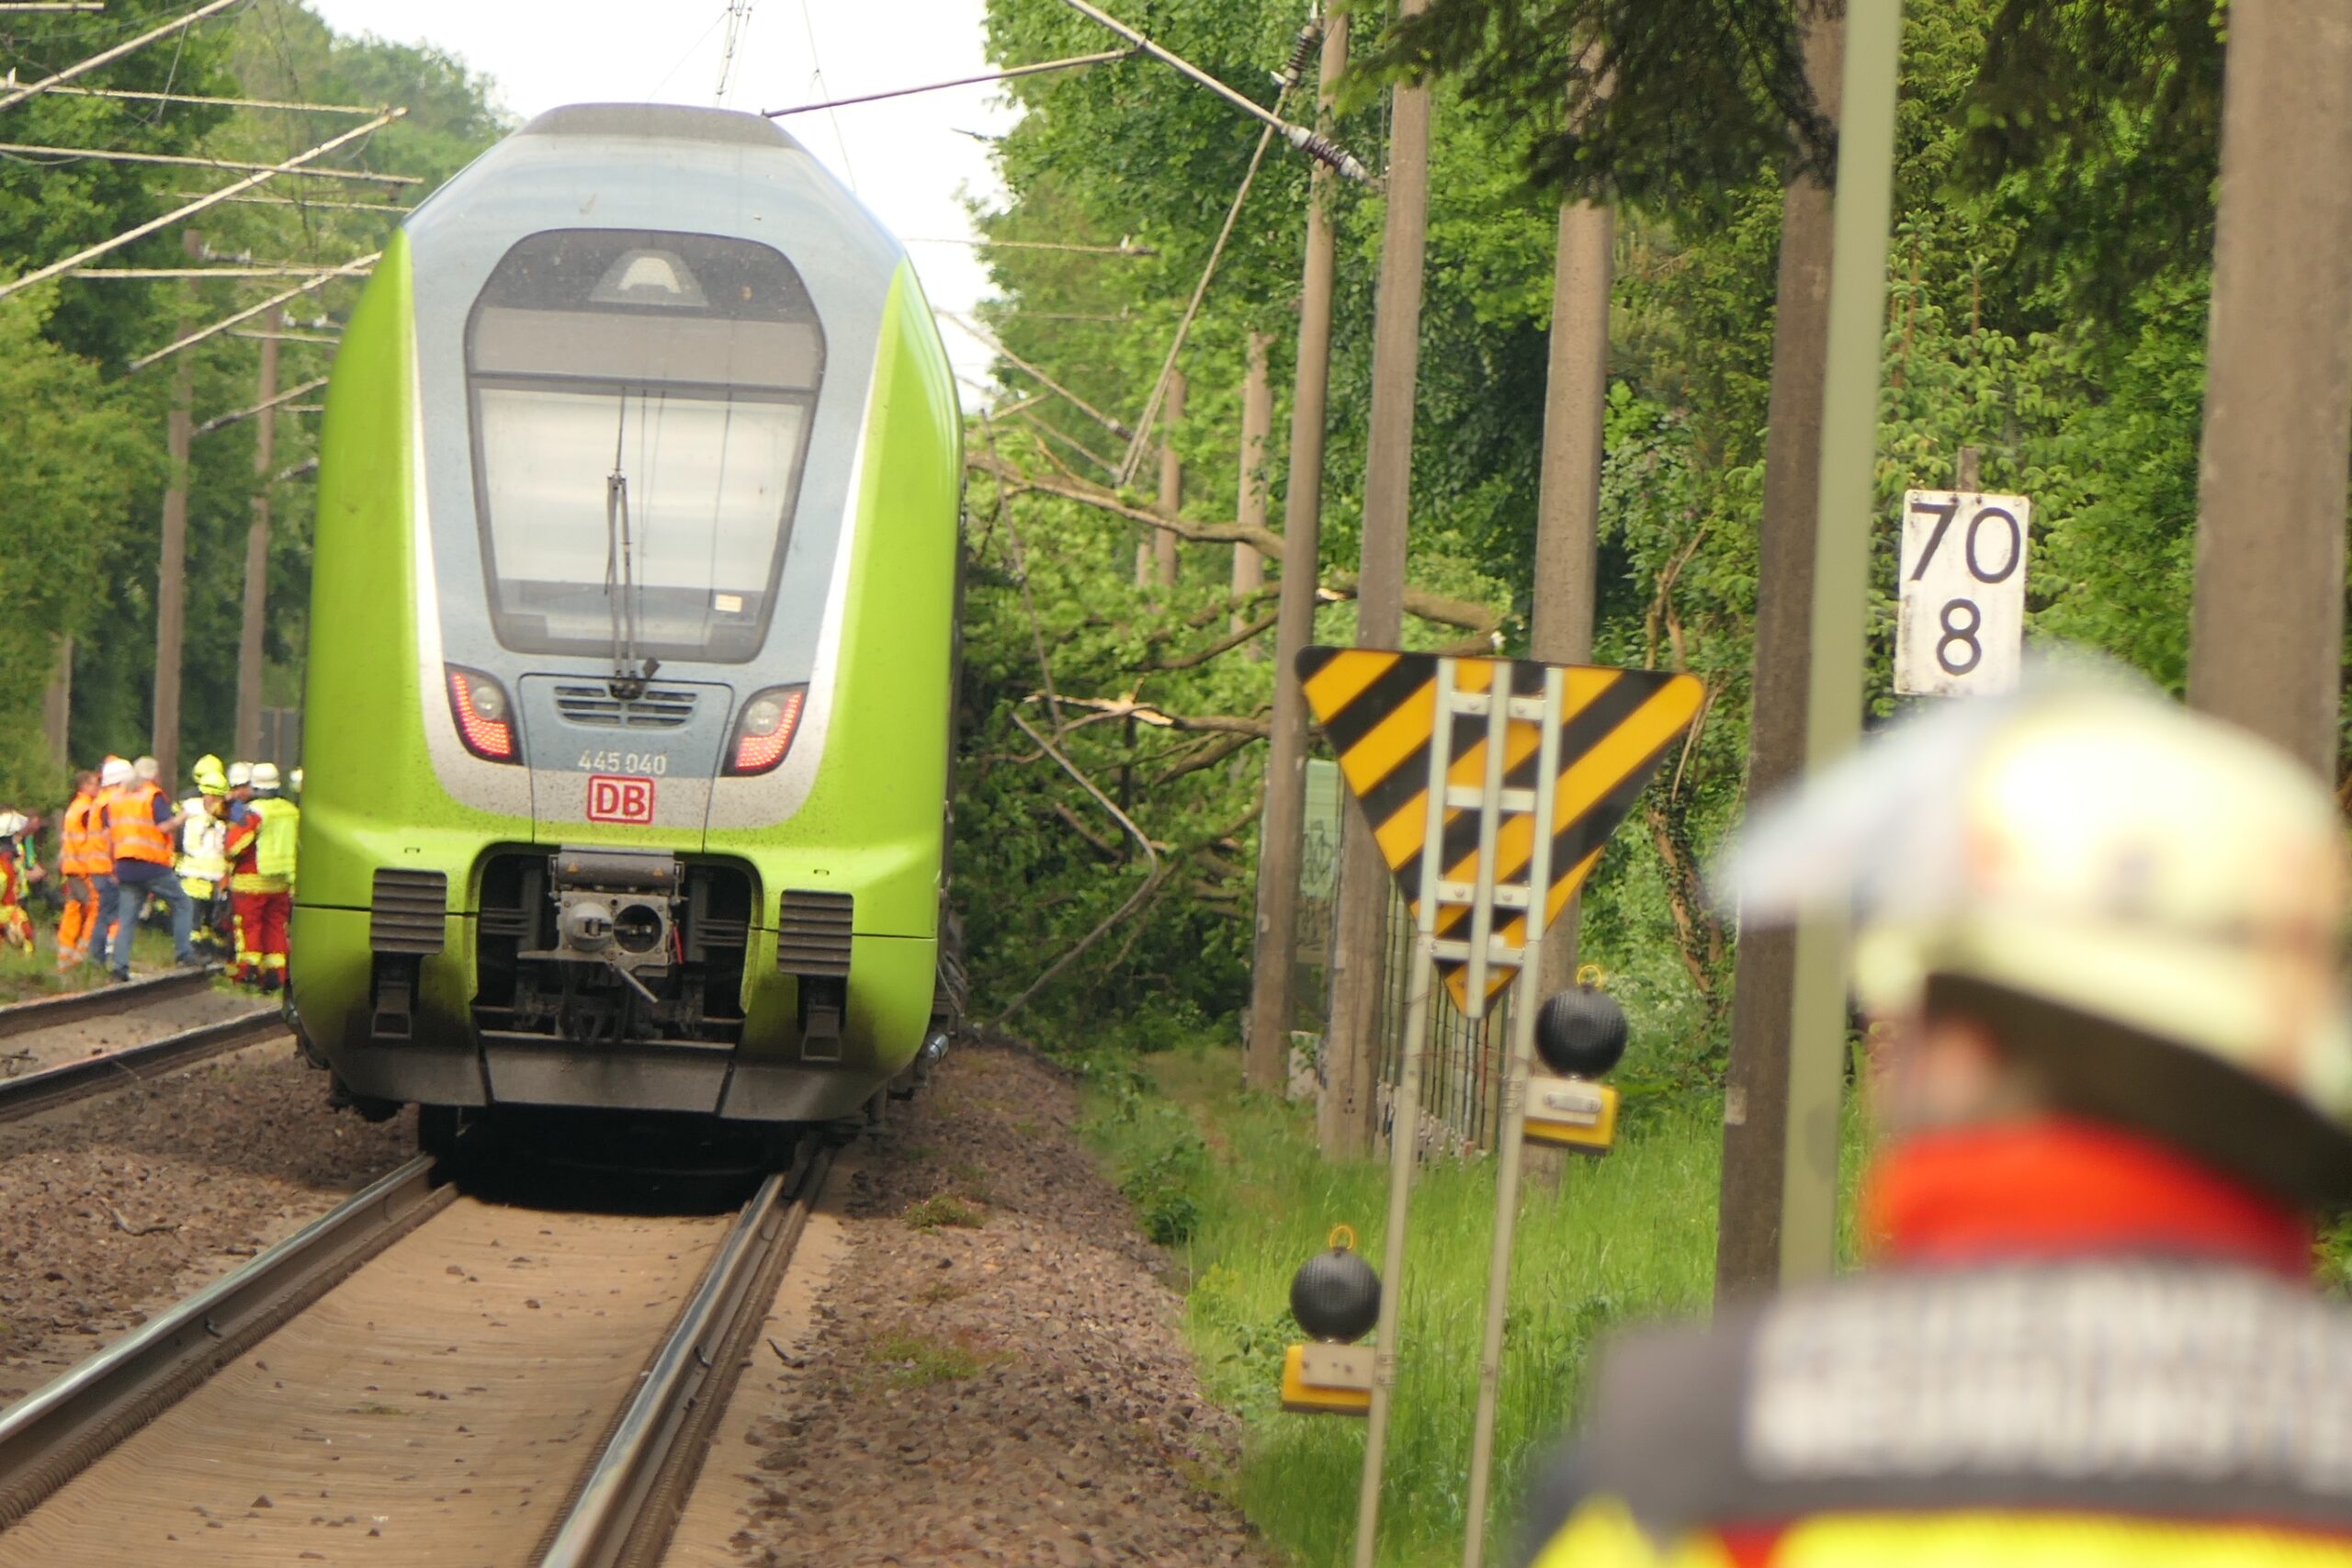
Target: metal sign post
1490, 786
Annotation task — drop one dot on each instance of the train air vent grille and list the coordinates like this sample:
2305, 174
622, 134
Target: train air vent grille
662, 708
407, 913
812, 933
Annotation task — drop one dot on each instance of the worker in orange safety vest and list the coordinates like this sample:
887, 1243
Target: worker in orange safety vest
82, 857
142, 825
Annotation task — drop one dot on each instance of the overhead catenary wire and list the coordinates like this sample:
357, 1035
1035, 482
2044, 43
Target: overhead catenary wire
34, 151
1309, 37
18, 95
1073, 63
143, 97
91, 253
1121, 249
1312, 142
356, 267
738, 17
221, 421
984, 341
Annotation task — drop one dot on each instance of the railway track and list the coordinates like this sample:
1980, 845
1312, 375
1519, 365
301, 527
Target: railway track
566, 1357
57, 1082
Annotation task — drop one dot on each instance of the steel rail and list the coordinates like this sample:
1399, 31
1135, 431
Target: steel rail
55, 1433
134, 1064
41, 1011
629, 1502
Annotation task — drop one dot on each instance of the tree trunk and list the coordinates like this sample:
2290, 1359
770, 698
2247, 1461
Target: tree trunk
1257, 423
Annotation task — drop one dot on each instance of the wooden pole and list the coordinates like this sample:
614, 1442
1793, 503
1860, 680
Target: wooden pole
256, 608
1250, 510
2266, 641
171, 581
1171, 481
1568, 503
1350, 1097
1281, 836
171, 567
1747, 1247
57, 705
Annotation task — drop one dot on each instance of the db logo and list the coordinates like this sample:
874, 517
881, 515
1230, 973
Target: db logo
612, 799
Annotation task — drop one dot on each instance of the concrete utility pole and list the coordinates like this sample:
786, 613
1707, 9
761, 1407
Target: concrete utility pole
1171, 481
2266, 641
1257, 423
1747, 1247
1848, 510
1281, 838
1567, 501
1350, 1097
249, 635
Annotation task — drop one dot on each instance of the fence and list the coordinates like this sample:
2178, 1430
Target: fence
1462, 1060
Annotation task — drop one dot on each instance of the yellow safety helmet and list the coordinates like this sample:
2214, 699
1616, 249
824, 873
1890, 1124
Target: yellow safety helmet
2153, 901
210, 777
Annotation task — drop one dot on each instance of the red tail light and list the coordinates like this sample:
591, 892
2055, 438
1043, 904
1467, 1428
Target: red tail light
485, 719
763, 733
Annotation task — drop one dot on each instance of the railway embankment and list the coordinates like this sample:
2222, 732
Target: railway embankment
117, 1205
992, 1361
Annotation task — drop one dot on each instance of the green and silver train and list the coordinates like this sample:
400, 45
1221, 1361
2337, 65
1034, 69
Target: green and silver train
631, 647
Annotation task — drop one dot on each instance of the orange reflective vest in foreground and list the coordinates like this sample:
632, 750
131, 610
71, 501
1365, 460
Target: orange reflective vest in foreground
132, 831
82, 847
2111, 1413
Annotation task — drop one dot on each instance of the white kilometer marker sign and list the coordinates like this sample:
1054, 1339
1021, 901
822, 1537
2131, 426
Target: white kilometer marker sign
1960, 630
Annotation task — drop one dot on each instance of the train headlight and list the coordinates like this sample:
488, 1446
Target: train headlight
763, 732
484, 717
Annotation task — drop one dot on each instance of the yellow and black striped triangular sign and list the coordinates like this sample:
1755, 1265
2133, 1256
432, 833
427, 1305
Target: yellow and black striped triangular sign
1378, 708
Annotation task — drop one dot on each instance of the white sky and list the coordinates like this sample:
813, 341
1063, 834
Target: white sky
908, 158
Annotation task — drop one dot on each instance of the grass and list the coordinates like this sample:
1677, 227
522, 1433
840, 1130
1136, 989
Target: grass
24, 975
915, 1360
944, 1209
1238, 1185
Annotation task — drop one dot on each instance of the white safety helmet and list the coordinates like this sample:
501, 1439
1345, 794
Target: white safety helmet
239, 774
264, 778
2156, 898
11, 824
113, 774
147, 769
295, 779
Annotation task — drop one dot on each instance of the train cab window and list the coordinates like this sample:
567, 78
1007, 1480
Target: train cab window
640, 406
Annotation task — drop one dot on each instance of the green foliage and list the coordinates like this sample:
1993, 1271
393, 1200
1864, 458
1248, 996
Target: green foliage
1630, 1235
944, 1211
918, 1361
76, 459
90, 445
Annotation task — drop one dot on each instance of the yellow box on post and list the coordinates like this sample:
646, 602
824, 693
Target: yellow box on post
1574, 1114
1328, 1380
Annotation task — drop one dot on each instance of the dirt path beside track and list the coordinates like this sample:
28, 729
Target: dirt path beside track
992, 1373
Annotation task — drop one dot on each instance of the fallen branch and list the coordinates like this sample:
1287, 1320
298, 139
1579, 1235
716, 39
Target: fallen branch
1441, 608
1226, 644
1208, 756
1102, 846
1134, 901
127, 1228
1106, 709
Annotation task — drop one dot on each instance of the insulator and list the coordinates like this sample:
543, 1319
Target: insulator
1323, 150
1310, 37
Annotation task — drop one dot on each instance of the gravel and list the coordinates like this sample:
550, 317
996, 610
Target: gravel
1007, 1385
36, 1049
113, 1207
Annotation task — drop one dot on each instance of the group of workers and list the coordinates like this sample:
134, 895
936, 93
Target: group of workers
219, 861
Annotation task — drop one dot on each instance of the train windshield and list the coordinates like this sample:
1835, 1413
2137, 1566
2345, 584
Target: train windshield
640, 411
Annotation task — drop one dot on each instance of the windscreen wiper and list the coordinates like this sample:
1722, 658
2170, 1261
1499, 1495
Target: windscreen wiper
629, 673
